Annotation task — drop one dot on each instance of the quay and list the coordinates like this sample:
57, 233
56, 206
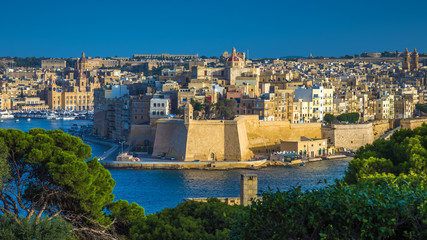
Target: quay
211, 165
153, 163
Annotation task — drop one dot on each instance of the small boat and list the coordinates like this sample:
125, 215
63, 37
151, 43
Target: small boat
17, 120
1, 121
5, 114
28, 119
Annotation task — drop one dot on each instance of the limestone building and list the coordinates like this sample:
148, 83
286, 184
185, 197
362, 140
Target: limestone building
54, 63
73, 95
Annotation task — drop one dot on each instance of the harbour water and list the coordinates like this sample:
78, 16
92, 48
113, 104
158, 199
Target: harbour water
158, 189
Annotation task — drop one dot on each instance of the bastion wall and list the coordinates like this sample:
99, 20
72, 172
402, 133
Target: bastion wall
412, 123
349, 136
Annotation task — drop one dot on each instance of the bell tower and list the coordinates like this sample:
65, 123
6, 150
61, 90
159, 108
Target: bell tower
405, 63
414, 60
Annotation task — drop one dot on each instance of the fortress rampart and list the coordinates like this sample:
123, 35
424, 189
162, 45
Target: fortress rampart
234, 140
412, 123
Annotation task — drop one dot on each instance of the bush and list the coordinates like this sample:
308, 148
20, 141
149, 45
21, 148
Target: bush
56, 228
189, 220
390, 210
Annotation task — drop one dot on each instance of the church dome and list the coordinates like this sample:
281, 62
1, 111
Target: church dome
233, 58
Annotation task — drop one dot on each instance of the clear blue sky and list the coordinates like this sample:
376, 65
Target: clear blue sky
267, 28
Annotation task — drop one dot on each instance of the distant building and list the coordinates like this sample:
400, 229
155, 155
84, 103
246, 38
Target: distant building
159, 106
54, 63
306, 147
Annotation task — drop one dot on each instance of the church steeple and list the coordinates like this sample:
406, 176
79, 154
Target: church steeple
406, 65
414, 60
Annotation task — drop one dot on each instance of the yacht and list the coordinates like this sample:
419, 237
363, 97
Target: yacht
4, 114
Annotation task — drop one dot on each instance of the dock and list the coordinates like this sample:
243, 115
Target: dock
217, 165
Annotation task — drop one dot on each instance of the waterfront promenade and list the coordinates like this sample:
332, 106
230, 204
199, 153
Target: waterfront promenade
159, 164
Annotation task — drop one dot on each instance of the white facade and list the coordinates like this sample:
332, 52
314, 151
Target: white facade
159, 107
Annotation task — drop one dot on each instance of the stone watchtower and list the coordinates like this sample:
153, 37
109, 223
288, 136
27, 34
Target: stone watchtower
248, 188
188, 113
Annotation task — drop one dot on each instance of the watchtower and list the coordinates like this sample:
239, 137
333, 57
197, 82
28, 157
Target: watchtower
188, 113
248, 188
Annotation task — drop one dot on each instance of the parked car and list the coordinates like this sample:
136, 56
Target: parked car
172, 158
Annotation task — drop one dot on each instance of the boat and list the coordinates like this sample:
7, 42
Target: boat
1, 121
4, 114
17, 120
28, 119
51, 116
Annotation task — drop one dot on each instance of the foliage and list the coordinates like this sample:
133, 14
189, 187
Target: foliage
227, 108
189, 220
405, 152
329, 118
421, 107
56, 228
125, 215
348, 117
50, 177
32, 62
197, 106
4, 167
392, 209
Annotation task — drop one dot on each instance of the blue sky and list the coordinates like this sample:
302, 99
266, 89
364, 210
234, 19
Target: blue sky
267, 28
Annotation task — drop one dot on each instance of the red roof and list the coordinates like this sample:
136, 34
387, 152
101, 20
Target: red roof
233, 58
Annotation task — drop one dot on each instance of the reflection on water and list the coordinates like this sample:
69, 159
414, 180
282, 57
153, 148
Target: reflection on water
157, 189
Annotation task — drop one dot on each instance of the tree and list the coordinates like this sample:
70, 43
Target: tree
348, 117
405, 151
421, 107
4, 167
50, 176
56, 228
189, 220
227, 108
329, 118
386, 209
125, 215
382, 196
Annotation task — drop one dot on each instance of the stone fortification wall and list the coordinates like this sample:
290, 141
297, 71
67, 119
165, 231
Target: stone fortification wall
205, 138
379, 127
266, 135
171, 139
139, 134
412, 123
349, 136
212, 140
234, 140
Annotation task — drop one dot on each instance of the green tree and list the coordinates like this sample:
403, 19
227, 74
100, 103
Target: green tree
55, 228
189, 220
387, 209
125, 215
4, 167
227, 108
50, 176
421, 107
348, 117
329, 118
